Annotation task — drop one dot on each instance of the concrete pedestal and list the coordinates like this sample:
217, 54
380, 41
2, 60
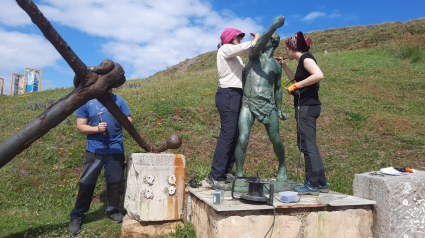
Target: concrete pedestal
155, 186
331, 215
400, 203
154, 196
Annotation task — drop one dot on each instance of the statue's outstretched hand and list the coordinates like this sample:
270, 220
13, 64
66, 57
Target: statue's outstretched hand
282, 115
279, 21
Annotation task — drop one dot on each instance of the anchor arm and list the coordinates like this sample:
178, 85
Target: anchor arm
173, 142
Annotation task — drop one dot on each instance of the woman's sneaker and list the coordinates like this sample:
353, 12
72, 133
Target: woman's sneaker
308, 189
215, 183
324, 188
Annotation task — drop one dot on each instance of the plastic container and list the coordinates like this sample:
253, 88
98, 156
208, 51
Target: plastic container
218, 196
288, 196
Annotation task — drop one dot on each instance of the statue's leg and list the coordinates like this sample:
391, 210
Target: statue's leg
278, 146
246, 120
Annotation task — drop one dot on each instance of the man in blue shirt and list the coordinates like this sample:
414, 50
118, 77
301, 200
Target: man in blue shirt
104, 148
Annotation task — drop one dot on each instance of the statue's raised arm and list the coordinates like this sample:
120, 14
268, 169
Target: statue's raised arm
262, 42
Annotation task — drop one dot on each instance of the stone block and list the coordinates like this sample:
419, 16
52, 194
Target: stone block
155, 186
352, 223
400, 203
133, 228
295, 222
236, 226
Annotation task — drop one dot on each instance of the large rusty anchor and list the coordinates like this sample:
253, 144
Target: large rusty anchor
89, 82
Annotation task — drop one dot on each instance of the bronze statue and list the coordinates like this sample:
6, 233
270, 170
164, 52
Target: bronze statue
262, 98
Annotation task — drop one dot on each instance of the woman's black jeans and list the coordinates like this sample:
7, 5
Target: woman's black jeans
228, 102
306, 117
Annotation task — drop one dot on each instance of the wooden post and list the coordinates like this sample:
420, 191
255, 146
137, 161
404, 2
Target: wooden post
11, 84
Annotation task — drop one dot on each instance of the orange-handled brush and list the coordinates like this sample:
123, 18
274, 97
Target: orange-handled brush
405, 170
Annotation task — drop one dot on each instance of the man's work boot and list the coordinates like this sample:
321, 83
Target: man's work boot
74, 225
117, 217
113, 194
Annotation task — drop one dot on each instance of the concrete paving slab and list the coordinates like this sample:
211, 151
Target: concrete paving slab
205, 193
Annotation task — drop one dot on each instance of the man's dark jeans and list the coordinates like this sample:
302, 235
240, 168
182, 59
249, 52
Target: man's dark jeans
228, 102
114, 171
306, 118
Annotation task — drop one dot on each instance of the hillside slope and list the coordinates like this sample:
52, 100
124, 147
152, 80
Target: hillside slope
373, 116
333, 40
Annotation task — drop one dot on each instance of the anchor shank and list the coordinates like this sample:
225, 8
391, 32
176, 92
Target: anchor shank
53, 36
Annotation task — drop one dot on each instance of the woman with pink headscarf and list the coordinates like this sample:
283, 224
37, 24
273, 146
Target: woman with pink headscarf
305, 89
228, 101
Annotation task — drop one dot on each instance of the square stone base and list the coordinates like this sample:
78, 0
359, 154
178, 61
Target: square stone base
133, 228
331, 215
400, 203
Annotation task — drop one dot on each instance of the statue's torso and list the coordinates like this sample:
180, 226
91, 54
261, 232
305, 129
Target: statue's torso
260, 75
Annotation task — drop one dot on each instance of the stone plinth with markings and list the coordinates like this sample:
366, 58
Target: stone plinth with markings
154, 196
400, 203
330, 215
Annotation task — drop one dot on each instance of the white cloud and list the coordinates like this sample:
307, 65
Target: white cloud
314, 15
129, 20
19, 50
12, 15
148, 35
334, 15
295, 16
145, 36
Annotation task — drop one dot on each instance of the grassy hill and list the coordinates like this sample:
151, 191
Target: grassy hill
373, 116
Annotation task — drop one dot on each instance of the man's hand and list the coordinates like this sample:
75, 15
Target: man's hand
279, 21
292, 88
282, 115
102, 127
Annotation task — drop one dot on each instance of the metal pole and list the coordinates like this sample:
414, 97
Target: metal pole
25, 81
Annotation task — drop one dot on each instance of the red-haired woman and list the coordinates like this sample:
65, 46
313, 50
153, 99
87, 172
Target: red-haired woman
305, 89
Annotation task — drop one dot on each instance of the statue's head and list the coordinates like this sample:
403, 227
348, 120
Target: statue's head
274, 41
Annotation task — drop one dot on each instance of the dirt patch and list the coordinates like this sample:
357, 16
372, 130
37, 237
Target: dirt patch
186, 64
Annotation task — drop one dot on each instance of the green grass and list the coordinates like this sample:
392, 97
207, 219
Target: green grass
373, 112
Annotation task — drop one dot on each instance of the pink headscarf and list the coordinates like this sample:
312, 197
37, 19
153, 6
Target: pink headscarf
297, 41
228, 35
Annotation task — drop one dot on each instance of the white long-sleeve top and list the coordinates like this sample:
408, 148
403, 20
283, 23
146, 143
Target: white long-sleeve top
230, 65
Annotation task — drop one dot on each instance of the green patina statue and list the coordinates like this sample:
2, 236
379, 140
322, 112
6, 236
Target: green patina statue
262, 99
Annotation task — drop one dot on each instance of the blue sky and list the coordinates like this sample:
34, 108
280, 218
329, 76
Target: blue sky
146, 36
